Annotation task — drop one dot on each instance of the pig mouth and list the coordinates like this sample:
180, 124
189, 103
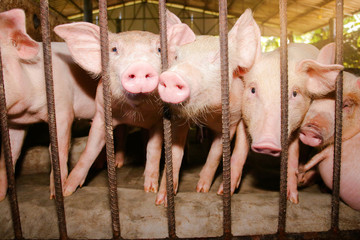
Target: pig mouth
311, 135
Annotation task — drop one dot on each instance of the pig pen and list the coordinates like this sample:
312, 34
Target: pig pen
253, 211
254, 206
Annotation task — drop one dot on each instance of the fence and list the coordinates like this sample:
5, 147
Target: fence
334, 232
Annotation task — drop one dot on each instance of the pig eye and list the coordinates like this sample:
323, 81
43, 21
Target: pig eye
159, 50
294, 93
175, 57
114, 49
253, 90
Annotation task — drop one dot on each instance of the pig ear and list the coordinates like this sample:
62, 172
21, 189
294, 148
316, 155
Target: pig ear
327, 54
244, 41
180, 34
171, 19
83, 40
321, 78
12, 27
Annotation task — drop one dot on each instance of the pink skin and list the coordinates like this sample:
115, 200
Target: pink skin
134, 69
350, 167
26, 95
140, 77
307, 78
316, 128
192, 86
172, 88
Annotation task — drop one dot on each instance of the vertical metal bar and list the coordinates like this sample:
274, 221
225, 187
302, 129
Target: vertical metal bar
338, 120
88, 15
15, 214
110, 155
45, 31
223, 30
167, 127
284, 117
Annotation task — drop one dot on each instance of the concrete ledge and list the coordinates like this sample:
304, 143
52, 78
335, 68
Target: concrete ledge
197, 214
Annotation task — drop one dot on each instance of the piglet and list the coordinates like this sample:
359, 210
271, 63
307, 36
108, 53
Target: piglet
24, 79
307, 78
134, 68
317, 130
192, 87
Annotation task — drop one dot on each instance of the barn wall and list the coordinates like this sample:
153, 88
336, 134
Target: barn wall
32, 11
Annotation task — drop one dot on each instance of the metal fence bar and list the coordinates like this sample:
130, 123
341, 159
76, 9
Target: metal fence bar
284, 117
15, 214
167, 127
45, 30
223, 34
110, 155
338, 120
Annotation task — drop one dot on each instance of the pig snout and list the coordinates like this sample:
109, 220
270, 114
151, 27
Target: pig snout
172, 88
140, 78
266, 146
310, 134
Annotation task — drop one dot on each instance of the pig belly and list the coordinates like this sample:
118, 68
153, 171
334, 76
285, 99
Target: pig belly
349, 177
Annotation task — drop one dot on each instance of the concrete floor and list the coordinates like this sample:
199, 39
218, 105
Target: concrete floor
254, 206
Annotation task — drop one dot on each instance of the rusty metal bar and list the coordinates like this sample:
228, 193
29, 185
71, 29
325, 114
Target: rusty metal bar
223, 34
284, 117
110, 155
15, 214
167, 127
338, 120
45, 31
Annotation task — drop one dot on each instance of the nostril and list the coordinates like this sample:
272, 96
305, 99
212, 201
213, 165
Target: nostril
132, 76
163, 84
179, 87
147, 76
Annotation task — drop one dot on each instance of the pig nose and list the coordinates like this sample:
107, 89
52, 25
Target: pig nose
310, 134
140, 77
172, 88
268, 148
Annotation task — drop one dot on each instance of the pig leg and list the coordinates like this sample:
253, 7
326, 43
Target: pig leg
238, 158
120, 133
153, 155
207, 173
306, 178
293, 163
312, 162
180, 133
94, 145
64, 122
16, 141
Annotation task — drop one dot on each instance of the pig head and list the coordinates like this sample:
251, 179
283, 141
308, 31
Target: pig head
307, 78
135, 55
192, 83
317, 129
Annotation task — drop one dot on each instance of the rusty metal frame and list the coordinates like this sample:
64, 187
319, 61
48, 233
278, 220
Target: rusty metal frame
284, 118
110, 155
167, 127
45, 30
334, 231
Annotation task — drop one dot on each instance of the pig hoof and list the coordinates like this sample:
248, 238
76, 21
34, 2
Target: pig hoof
151, 185
151, 188
119, 162
161, 199
294, 198
67, 193
2, 196
202, 186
